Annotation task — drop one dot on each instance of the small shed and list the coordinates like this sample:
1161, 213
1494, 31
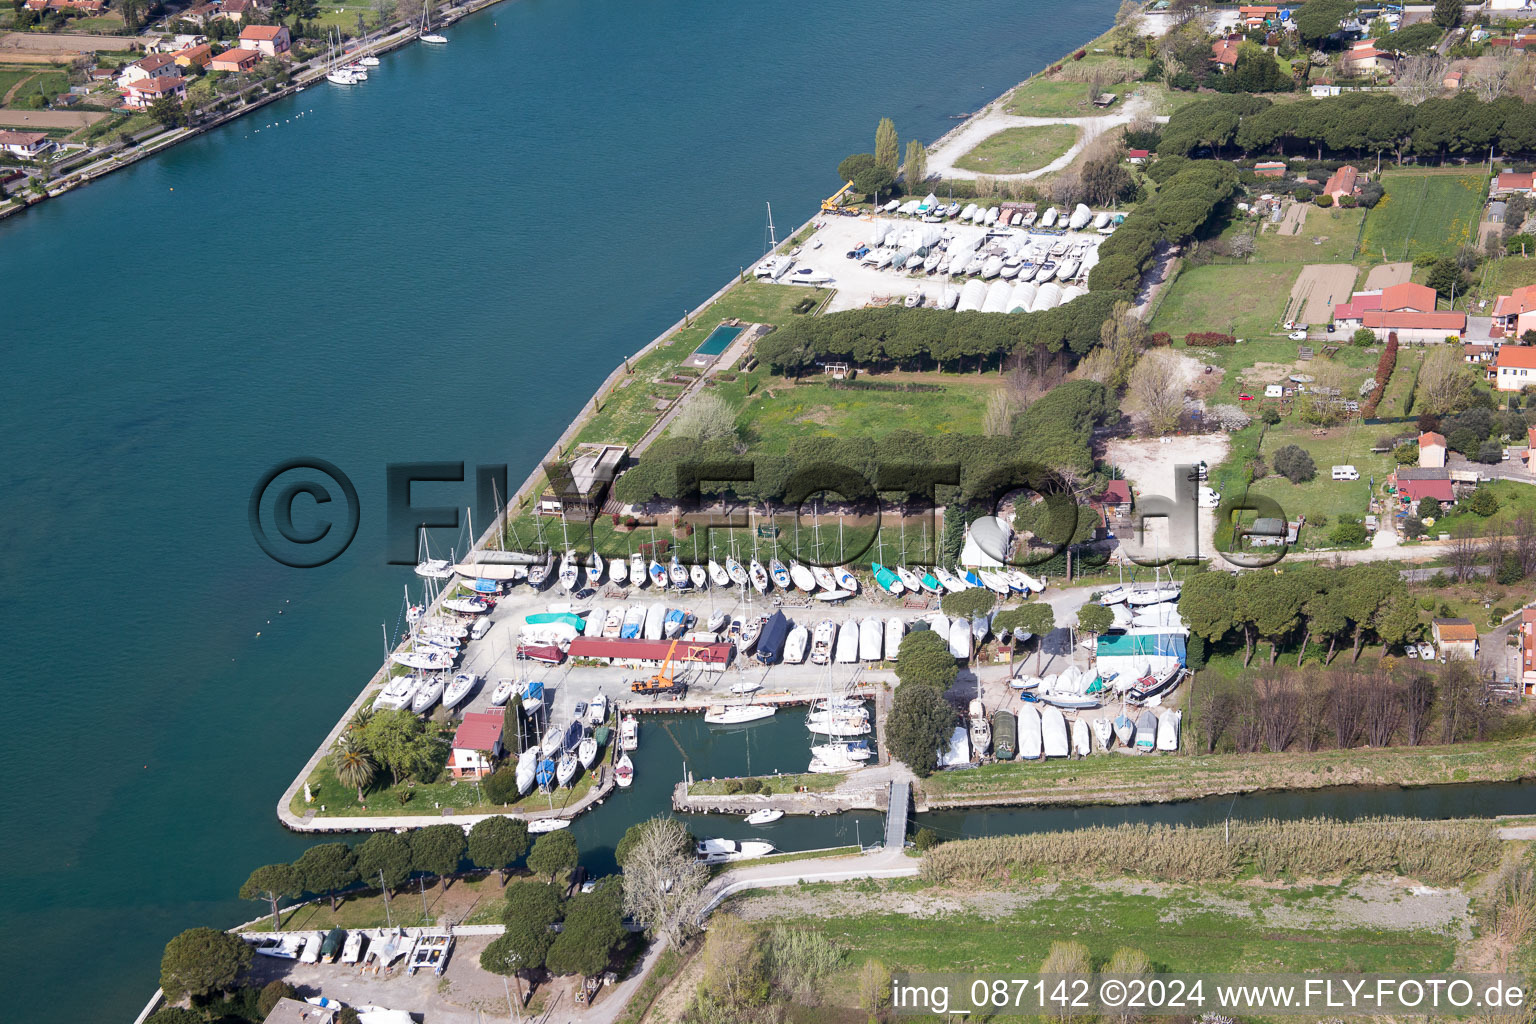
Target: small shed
1456, 638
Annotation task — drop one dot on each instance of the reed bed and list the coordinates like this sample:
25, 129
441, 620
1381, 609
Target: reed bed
1438, 852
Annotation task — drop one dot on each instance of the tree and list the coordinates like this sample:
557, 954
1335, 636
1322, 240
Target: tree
1293, 463
437, 850
1483, 502
1429, 508
1157, 385
386, 854
873, 180
202, 961
917, 165
1406, 454
1364, 337
920, 725
553, 853
272, 882
327, 868
1129, 966
168, 112
354, 768
1447, 278
706, 417
1206, 604
1094, 618
529, 912
174, 1014
968, 603
500, 787
392, 738
1447, 13
887, 149
1348, 531
663, 881
497, 843
272, 993
926, 661
735, 968
855, 165
592, 930
1444, 385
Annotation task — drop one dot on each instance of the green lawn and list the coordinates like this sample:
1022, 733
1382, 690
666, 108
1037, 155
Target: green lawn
1206, 928
781, 411
1245, 299
1046, 97
627, 412
426, 799
1514, 499
1502, 276
1322, 495
1338, 229
1424, 212
10, 76
1017, 150
365, 909
819, 782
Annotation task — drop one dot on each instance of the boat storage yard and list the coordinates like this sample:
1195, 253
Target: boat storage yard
938, 260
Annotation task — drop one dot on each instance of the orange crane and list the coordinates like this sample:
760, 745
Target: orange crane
662, 681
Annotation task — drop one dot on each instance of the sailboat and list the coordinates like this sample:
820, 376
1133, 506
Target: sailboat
1103, 732
802, 577
909, 579
824, 578
570, 573
459, 687
718, 575
737, 574
658, 575
737, 714
845, 579
1146, 731
699, 576
594, 569
677, 572
527, 767
779, 573
428, 36
432, 568
887, 580
565, 771
759, 577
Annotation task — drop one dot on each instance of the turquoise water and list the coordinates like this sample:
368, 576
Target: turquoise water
717, 341
440, 265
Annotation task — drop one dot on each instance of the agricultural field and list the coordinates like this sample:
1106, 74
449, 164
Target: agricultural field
1244, 299
1019, 150
1424, 213
1328, 236
777, 414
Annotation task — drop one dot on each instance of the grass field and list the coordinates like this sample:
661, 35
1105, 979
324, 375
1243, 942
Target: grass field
1422, 213
1337, 228
1044, 96
1502, 276
1017, 150
366, 909
774, 415
1246, 299
426, 799
1211, 927
626, 413
1322, 495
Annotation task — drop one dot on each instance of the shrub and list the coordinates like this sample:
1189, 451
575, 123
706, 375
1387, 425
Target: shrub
1483, 502
500, 787
1348, 531
926, 839
751, 785
1270, 415
1364, 337
1208, 339
1384, 367
1303, 195
1324, 200
1293, 463
1428, 508
1158, 339
732, 786
1413, 526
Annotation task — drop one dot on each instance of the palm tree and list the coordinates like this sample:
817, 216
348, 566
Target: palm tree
354, 768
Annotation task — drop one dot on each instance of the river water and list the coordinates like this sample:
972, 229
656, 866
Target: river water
439, 265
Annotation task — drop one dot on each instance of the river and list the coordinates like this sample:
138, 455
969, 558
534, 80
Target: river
441, 264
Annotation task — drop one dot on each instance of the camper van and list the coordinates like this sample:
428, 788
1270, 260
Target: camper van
1346, 473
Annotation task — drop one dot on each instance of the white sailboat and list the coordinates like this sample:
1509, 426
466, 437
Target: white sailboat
802, 577
717, 574
594, 570
570, 572
427, 35
738, 714
432, 568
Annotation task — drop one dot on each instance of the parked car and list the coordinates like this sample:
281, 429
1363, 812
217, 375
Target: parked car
1298, 335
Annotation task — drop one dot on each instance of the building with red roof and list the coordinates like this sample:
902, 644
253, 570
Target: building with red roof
1408, 298
1224, 52
1516, 312
476, 744
1415, 328
1432, 450
1515, 367
1510, 182
269, 40
1343, 182
141, 94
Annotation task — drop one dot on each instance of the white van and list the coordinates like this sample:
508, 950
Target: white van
1346, 473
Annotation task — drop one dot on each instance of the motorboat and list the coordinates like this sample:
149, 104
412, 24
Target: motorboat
431, 689
677, 574
736, 573
397, 693
1146, 731
282, 947
1030, 736
655, 621
718, 574
613, 625
533, 696
586, 750
675, 622
895, 629
850, 750
846, 651
624, 772
1080, 742
871, 639
1048, 218
698, 576
539, 826
980, 729
629, 732
824, 577
745, 687
845, 579
765, 816
795, 645
597, 711
759, 576
565, 771
352, 950
1005, 735
527, 768
737, 714
822, 640
722, 851
1168, 730
779, 573
618, 571
802, 577
658, 575
1103, 733
637, 569
458, 688
909, 579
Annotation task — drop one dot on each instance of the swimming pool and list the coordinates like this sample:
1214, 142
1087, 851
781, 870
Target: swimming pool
718, 341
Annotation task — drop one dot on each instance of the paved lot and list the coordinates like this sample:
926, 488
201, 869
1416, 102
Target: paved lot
1148, 465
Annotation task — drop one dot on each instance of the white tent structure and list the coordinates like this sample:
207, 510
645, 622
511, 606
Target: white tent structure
1049, 297
997, 298
1072, 292
972, 296
1022, 297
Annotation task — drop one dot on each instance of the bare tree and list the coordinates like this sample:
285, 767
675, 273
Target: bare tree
664, 882
1418, 702
1157, 384
1346, 710
1383, 709
1246, 729
1001, 409
1217, 709
1420, 77
1494, 547
1463, 553
1458, 682
1523, 528
1445, 384
1279, 710
1313, 708
1492, 74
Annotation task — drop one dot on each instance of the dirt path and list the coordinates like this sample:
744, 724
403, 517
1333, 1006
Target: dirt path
10, 93
942, 158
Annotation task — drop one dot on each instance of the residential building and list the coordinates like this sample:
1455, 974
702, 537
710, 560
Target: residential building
1257, 17
476, 744
198, 55
1456, 638
82, 6
139, 95
1138, 156
1516, 312
1415, 328
1363, 56
1452, 80
1350, 316
1270, 168
26, 145
1414, 484
269, 40
237, 59
156, 65
1431, 450
1343, 182
1510, 182
1528, 652
1224, 52
1515, 367
236, 10
1530, 449
1408, 298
